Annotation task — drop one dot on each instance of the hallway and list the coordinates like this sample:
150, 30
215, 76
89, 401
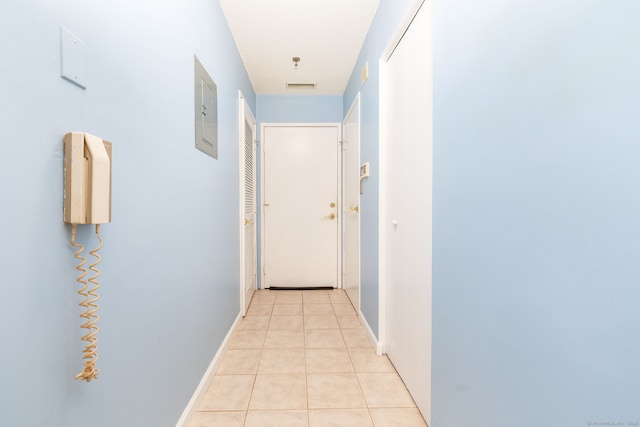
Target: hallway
302, 358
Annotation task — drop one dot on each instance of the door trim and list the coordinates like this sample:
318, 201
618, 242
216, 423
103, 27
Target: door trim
262, 195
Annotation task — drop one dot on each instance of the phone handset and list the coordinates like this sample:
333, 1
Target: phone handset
87, 200
87, 188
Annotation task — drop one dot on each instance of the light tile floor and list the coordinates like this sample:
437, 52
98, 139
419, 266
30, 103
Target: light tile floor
302, 359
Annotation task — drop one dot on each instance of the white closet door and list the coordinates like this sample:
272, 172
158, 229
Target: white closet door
248, 238
408, 213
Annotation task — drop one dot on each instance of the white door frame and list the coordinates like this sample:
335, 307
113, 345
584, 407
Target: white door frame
355, 106
338, 126
244, 113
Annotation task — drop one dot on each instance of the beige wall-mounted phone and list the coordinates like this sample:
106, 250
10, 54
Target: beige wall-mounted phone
87, 183
87, 200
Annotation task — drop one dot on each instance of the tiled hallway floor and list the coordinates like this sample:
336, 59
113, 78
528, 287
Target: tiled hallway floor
302, 358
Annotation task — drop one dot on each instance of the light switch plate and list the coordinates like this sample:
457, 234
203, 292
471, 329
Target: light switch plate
72, 58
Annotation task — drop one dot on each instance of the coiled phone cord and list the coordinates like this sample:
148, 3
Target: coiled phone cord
89, 303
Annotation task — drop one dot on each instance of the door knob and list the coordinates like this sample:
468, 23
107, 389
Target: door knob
331, 216
248, 221
355, 208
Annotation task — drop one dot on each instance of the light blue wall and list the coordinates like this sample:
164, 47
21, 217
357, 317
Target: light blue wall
536, 209
170, 259
299, 108
388, 17
536, 213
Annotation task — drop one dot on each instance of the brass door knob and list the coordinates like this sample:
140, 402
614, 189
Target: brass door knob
355, 208
330, 216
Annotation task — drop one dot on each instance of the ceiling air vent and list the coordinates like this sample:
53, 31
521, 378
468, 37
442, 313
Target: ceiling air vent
301, 85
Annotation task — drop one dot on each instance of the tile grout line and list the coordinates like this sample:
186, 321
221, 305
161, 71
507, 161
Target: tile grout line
355, 370
255, 378
304, 352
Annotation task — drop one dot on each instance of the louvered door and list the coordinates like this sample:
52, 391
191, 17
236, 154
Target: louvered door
248, 203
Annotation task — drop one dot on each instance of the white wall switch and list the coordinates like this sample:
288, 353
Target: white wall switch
72, 58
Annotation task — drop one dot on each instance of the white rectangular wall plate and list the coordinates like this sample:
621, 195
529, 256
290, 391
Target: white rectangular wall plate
72, 67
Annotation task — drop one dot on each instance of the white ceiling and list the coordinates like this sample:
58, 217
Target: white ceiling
326, 34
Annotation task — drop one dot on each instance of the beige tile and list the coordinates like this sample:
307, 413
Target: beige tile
385, 390
226, 419
277, 419
342, 309
323, 338
263, 297
239, 362
286, 322
284, 339
282, 361
259, 310
313, 321
228, 392
349, 321
339, 418
281, 391
247, 340
397, 417
289, 297
328, 360
316, 297
356, 338
366, 360
287, 310
334, 391
254, 323
320, 309
339, 297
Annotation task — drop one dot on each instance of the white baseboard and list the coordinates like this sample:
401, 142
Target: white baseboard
372, 337
205, 382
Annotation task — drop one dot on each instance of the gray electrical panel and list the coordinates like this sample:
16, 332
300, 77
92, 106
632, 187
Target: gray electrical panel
206, 111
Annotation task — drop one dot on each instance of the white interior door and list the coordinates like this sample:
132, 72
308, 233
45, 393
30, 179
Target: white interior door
351, 203
407, 229
248, 235
300, 214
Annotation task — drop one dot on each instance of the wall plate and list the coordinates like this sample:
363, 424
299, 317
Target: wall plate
72, 58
